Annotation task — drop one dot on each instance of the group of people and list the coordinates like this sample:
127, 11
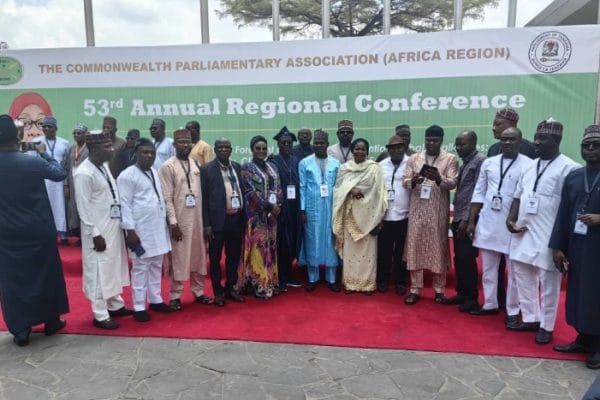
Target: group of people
531, 211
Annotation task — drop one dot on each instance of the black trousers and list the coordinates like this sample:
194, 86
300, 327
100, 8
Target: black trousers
390, 247
465, 264
230, 238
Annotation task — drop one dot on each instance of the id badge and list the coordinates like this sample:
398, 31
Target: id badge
580, 228
235, 201
391, 194
324, 190
425, 191
291, 192
190, 200
531, 206
497, 203
115, 211
272, 198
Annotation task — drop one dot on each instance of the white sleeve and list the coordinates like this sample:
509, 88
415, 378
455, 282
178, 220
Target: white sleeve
126, 193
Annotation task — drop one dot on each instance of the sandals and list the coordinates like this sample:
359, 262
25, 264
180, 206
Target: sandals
204, 299
175, 304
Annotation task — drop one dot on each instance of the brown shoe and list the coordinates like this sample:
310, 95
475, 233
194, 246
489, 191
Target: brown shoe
412, 299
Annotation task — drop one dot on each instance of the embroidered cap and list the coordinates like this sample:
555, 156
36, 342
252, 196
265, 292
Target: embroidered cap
508, 114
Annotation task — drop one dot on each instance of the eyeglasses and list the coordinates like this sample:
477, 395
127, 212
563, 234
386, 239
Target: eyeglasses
28, 124
590, 145
47, 126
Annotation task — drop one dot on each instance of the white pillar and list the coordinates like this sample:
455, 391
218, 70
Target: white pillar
204, 27
387, 16
512, 13
275, 20
325, 11
458, 15
89, 23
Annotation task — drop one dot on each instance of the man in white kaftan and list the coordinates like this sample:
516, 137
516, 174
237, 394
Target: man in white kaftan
57, 147
105, 269
537, 198
144, 220
491, 201
180, 181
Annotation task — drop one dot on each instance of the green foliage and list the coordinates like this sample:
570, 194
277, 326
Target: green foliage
352, 17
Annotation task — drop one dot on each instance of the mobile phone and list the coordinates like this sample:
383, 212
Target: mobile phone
426, 167
139, 250
564, 267
28, 146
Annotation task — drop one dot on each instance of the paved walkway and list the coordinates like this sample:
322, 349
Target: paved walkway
95, 367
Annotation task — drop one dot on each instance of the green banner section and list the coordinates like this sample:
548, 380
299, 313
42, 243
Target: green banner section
375, 107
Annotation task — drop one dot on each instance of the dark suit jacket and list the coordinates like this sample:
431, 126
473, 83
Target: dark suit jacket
213, 195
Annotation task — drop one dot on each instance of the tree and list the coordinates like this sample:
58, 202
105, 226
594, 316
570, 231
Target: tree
352, 17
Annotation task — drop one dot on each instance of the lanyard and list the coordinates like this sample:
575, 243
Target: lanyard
503, 171
105, 174
51, 148
151, 177
539, 174
588, 189
433, 162
187, 173
345, 155
231, 175
266, 176
394, 174
322, 167
78, 151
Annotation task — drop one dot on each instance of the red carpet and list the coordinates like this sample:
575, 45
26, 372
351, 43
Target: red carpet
323, 318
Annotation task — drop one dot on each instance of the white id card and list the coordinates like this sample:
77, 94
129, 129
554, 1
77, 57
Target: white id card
497, 203
115, 211
580, 228
324, 190
391, 194
190, 200
291, 192
425, 191
235, 202
272, 198
531, 206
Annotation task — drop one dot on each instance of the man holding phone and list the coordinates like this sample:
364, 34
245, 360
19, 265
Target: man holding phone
430, 175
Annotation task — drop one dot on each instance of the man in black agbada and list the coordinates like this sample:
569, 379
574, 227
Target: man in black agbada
32, 286
575, 240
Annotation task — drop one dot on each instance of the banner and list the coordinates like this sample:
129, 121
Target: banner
454, 79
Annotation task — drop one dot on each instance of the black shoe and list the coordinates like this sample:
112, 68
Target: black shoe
219, 300
412, 299
282, 287
161, 308
64, 242
121, 312
175, 304
51, 329
294, 283
400, 290
525, 327
141, 316
482, 311
235, 297
440, 298
334, 287
573, 347
107, 324
469, 306
310, 287
593, 360
204, 299
78, 243
511, 321
382, 287
543, 336
454, 300
21, 341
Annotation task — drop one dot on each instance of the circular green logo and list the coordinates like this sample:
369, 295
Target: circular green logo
11, 71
